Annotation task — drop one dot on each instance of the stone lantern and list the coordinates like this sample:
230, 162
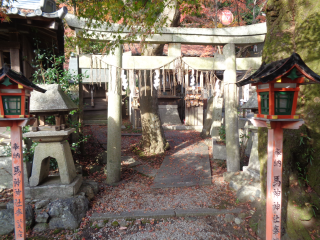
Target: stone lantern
52, 143
277, 88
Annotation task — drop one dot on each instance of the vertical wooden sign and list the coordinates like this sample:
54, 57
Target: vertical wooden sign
274, 173
274, 182
18, 182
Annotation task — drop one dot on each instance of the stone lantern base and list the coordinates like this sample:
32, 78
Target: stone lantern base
53, 188
52, 144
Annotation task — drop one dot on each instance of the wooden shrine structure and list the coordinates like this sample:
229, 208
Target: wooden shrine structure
28, 22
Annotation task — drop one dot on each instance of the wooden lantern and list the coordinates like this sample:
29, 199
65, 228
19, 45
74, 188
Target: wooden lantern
14, 110
277, 89
15, 92
278, 86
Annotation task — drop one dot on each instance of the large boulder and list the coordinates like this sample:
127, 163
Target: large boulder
7, 219
67, 213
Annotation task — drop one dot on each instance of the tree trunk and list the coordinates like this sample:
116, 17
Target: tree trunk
153, 139
208, 119
293, 26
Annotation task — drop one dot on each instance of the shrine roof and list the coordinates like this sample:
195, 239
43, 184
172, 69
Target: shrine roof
278, 69
18, 77
33, 9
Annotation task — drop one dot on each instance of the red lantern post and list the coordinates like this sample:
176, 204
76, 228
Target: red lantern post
277, 88
14, 113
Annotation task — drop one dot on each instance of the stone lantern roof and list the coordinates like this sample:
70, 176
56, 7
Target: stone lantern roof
252, 102
54, 100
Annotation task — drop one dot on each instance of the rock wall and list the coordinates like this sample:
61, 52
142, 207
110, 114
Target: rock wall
293, 26
65, 213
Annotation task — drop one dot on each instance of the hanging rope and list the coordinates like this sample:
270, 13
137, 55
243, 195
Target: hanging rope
91, 70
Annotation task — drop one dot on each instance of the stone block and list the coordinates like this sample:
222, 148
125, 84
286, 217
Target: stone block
67, 213
219, 151
7, 219
41, 204
253, 167
88, 190
129, 161
94, 185
42, 217
246, 193
52, 188
40, 227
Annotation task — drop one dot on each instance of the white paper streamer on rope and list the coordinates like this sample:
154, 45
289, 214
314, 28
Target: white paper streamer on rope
124, 80
156, 79
217, 88
192, 82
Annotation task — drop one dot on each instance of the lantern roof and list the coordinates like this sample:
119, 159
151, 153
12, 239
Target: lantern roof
54, 100
275, 70
19, 78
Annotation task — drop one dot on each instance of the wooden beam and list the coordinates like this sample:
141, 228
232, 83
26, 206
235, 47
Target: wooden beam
1, 59
5, 45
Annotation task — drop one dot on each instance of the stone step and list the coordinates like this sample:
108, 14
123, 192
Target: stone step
163, 214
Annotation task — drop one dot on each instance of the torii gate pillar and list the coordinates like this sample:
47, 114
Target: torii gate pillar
231, 103
114, 119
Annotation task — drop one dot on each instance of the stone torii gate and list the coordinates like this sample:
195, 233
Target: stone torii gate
229, 37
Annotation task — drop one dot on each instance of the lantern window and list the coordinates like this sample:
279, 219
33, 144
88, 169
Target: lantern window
283, 103
264, 102
12, 105
27, 106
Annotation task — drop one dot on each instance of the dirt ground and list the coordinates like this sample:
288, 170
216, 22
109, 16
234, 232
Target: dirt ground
134, 192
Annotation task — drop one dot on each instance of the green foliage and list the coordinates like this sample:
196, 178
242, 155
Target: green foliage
143, 17
222, 133
115, 224
306, 154
75, 146
50, 70
28, 153
305, 141
57, 231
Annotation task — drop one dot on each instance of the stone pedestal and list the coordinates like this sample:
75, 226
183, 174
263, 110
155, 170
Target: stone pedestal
253, 167
53, 188
51, 144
